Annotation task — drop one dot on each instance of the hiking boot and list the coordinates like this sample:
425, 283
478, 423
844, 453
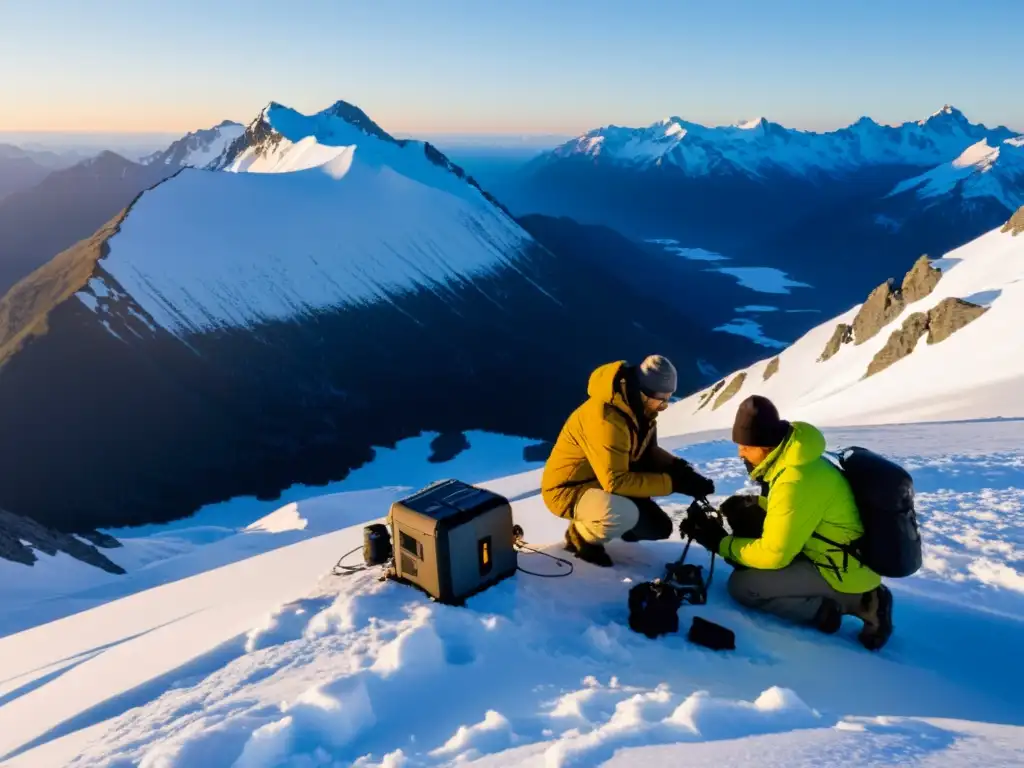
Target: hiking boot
829, 617
876, 612
569, 546
594, 554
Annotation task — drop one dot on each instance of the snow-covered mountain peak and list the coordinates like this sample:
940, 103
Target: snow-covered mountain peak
948, 114
984, 170
980, 156
306, 213
332, 126
749, 125
198, 149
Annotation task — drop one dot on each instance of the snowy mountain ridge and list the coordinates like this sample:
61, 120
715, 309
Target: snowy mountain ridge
295, 189
197, 149
757, 147
949, 345
982, 170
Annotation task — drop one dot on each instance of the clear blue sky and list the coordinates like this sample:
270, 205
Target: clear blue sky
561, 66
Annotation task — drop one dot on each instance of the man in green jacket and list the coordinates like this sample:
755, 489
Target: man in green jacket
788, 545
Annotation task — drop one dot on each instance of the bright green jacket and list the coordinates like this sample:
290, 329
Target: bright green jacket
806, 495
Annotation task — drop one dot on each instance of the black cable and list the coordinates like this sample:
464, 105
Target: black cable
521, 546
346, 570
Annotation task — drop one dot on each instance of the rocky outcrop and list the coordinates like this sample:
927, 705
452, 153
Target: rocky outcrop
100, 539
949, 316
940, 322
883, 305
843, 334
19, 536
900, 344
1016, 223
920, 280
772, 368
707, 396
730, 391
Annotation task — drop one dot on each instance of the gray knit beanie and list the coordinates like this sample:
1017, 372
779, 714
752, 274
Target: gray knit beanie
656, 374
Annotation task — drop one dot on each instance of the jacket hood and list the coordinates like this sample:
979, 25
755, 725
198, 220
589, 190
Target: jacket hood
602, 383
805, 444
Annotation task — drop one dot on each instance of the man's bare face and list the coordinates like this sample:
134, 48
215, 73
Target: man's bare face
753, 454
653, 405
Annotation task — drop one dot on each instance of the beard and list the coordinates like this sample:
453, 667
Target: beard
750, 467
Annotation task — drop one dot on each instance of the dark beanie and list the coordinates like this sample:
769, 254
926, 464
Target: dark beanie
758, 424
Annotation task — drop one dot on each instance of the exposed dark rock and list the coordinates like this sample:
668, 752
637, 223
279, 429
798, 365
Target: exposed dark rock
447, 446
12, 549
843, 334
706, 397
881, 307
1016, 223
920, 280
730, 391
537, 452
949, 316
940, 322
15, 529
100, 539
772, 368
900, 344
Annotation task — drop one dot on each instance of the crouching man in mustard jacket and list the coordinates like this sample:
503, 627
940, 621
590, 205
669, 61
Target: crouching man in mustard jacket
606, 465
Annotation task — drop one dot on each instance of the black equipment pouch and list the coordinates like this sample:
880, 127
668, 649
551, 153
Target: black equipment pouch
653, 609
653, 605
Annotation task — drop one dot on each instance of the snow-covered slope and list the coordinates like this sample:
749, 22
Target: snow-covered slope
271, 661
198, 149
977, 372
981, 171
759, 146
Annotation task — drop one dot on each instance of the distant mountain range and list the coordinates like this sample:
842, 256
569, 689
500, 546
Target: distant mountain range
832, 209
320, 289
64, 207
23, 168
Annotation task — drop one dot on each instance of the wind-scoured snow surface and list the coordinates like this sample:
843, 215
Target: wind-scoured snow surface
270, 661
758, 146
331, 216
981, 171
977, 372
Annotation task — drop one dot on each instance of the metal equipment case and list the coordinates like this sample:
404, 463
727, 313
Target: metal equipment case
452, 540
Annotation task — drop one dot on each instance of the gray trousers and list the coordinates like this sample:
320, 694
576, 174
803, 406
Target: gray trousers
795, 592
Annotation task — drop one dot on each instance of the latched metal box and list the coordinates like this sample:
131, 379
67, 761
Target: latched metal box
452, 540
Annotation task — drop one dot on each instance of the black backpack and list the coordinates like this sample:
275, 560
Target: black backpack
884, 494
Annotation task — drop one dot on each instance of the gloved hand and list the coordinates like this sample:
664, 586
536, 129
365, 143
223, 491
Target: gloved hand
744, 515
686, 480
706, 531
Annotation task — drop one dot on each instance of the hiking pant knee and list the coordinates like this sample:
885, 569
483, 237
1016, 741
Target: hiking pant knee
653, 524
794, 593
600, 517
